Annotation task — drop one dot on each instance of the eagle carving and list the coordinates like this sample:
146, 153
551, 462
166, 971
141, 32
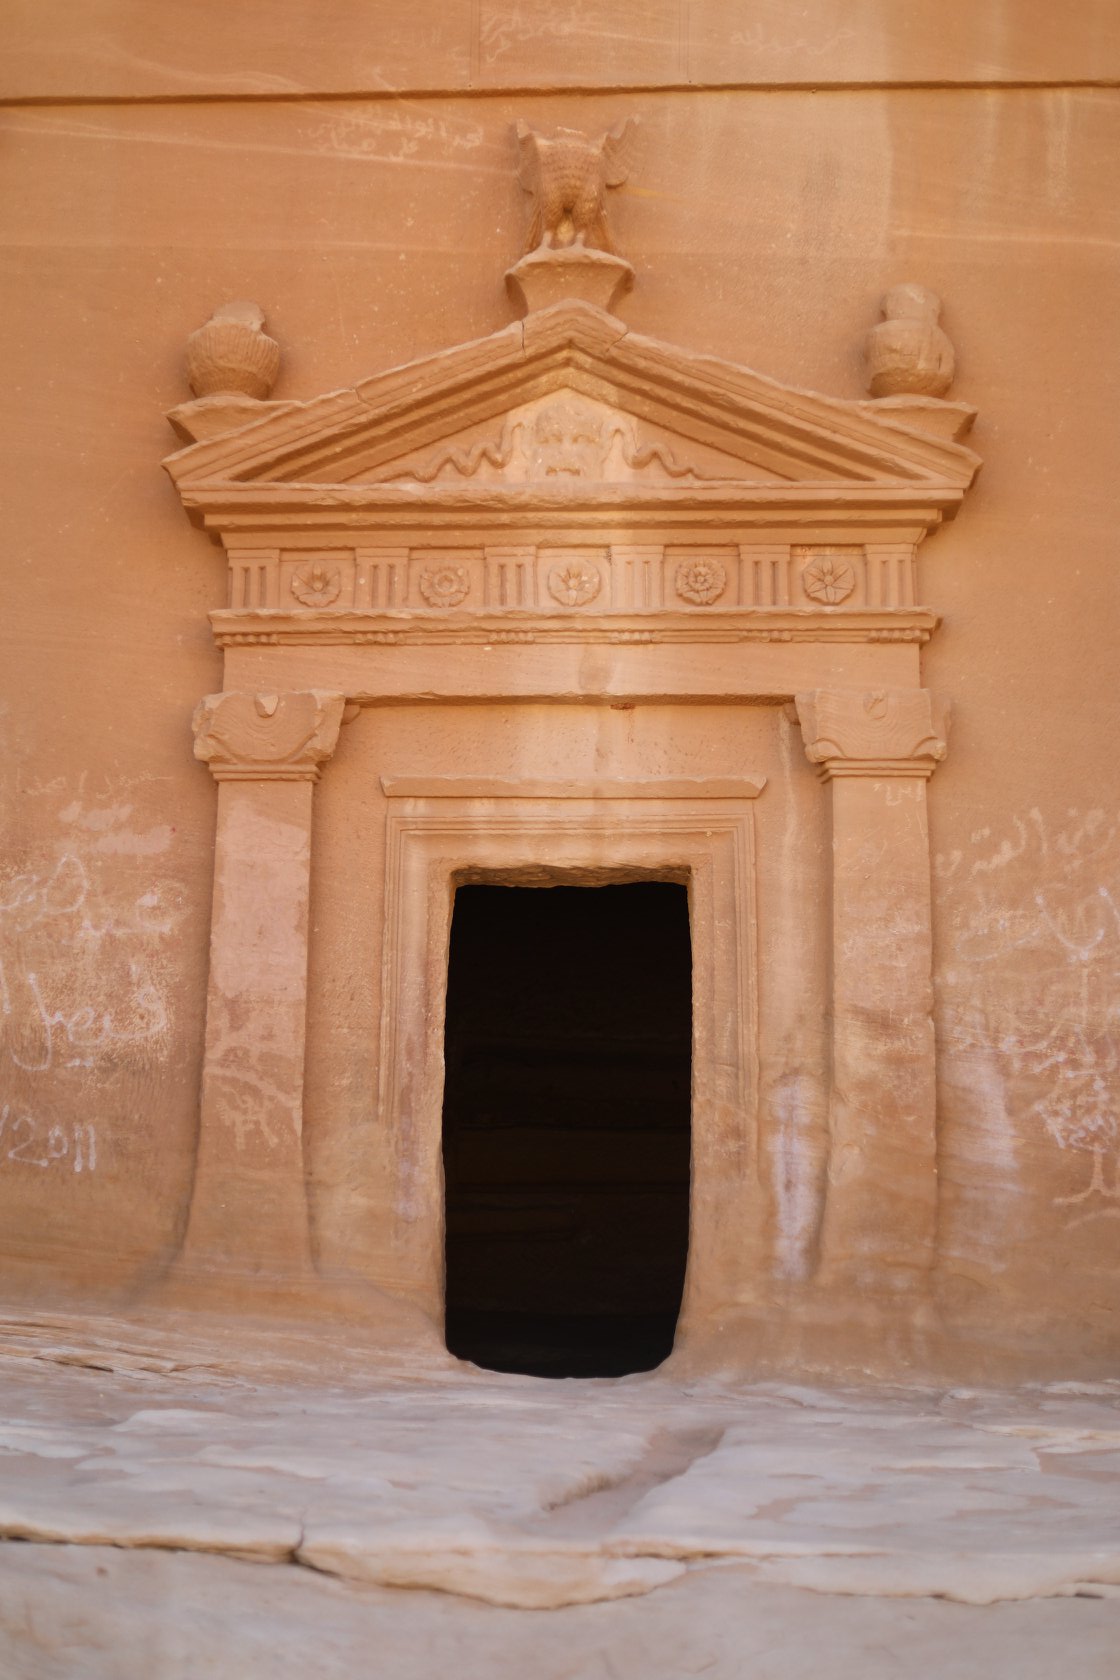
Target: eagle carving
568, 176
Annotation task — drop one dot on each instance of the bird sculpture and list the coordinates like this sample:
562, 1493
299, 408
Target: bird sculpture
568, 176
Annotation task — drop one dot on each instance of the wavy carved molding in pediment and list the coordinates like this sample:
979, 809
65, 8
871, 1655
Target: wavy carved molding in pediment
565, 439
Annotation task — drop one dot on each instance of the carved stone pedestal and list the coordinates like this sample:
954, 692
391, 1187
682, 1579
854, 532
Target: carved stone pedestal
546, 277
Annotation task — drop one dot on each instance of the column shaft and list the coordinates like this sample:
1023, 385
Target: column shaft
881, 1203
248, 1212
248, 1207
878, 750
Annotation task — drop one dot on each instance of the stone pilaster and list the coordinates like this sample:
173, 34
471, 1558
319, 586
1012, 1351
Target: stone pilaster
248, 1212
878, 750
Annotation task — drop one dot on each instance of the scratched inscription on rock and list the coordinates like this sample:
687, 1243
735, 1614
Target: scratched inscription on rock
83, 989
1031, 990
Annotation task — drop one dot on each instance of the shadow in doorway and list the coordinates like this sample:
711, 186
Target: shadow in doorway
566, 1129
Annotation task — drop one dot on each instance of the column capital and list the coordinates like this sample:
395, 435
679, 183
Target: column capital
881, 732
267, 737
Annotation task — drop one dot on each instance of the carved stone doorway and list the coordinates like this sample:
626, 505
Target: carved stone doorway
567, 1102
581, 598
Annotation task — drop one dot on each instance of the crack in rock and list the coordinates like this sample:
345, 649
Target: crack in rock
606, 1497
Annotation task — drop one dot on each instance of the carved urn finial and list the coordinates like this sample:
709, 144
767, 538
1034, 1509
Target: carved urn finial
908, 354
568, 249
233, 353
232, 366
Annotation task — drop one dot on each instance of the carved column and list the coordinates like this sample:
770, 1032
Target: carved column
248, 1208
878, 750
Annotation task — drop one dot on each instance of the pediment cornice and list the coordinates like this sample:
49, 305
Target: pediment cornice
234, 508
564, 480
758, 443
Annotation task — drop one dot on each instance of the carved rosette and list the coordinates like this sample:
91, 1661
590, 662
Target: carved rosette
829, 578
267, 737
701, 581
887, 732
316, 585
574, 585
444, 586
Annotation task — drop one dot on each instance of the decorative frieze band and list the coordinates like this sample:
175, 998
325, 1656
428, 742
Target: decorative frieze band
267, 737
886, 732
589, 578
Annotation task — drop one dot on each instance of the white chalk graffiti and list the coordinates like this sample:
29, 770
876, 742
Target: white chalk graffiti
1033, 981
397, 135
26, 1140
62, 957
81, 1034
1098, 1186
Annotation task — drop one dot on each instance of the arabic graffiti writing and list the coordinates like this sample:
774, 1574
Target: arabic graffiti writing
1031, 984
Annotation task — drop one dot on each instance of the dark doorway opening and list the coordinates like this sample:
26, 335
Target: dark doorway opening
566, 1125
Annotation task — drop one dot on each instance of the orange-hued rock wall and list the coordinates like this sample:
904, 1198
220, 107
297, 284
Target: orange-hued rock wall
351, 167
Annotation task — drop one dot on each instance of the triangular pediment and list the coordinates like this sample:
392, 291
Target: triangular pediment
564, 400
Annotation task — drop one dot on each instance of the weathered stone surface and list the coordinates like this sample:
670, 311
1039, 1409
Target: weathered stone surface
63, 1607
128, 50
537, 1495
640, 583
375, 233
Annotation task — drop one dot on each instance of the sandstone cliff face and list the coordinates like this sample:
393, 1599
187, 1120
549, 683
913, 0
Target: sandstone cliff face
359, 184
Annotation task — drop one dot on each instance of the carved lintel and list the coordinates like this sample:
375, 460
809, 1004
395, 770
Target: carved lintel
884, 732
267, 737
498, 787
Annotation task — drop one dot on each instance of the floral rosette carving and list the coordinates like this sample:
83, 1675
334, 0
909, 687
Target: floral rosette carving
317, 585
829, 579
701, 581
444, 586
574, 585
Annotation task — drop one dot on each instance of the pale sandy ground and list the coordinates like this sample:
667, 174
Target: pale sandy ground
174, 1507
